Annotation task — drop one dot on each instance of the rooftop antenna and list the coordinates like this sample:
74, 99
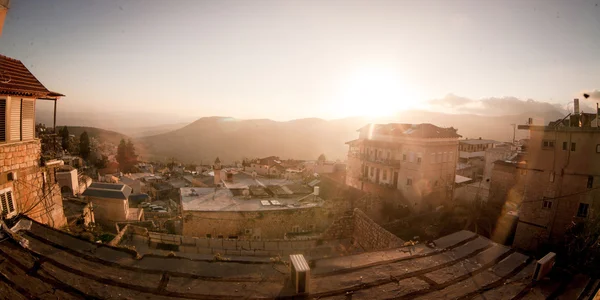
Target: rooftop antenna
514, 132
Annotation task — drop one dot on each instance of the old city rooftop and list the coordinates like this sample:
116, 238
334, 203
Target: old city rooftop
15, 79
462, 265
424, 130
108, 190
223, 199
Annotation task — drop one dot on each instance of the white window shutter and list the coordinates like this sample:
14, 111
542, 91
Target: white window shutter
15, 119
28, 119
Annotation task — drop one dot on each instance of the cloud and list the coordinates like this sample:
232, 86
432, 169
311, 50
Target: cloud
594, 95
492, 106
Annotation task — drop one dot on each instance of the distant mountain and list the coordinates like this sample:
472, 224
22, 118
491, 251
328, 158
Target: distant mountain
233, 139
153, 130
101, 134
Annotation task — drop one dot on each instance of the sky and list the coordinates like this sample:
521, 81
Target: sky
295, 59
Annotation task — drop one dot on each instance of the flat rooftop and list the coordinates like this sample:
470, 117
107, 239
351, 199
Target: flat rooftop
461, 265
222, 199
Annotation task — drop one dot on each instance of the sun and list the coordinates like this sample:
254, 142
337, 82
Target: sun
374, 92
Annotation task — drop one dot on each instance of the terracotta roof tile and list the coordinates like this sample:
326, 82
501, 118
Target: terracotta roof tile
16, 79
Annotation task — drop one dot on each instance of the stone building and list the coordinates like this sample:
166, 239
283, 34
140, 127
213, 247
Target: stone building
27, 183
561, 179
110, 203
471, 156
243, 211
68, 180
417, 160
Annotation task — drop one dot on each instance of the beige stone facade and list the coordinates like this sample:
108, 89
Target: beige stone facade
255, 225
34, 188
421, 167
561, 182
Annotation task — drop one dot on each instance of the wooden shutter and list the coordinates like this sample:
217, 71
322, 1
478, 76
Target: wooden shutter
15, 119
28, 116
11, 204
2, 120
3, 203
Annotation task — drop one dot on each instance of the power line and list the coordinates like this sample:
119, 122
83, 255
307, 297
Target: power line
563, 196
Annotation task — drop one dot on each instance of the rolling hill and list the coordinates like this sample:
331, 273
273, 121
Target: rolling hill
233, 139
101, 134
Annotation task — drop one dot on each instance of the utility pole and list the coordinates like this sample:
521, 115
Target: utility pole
514, 132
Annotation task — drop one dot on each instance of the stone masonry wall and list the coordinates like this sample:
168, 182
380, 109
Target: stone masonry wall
363, 231
371, 236
38, 198
266, 224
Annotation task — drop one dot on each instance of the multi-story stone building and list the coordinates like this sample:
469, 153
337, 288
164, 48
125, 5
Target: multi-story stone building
419, 160
561, 179
27, 183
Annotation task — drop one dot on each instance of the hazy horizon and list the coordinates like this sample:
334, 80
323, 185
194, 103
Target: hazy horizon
285, 60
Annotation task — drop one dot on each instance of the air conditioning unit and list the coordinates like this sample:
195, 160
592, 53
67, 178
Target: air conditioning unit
544, 266
300, 273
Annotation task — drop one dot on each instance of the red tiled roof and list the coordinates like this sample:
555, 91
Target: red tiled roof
424, 130
16, 79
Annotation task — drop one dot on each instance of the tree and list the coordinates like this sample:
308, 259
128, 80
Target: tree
65, 138
84, 145
126, 156
322, 158
102, 162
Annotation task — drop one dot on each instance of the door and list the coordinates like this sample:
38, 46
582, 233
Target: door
395, 180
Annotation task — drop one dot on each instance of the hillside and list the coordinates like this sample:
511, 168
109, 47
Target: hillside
101, 134
233, 139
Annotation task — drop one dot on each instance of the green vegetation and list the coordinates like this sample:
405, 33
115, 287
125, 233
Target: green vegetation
126, 156
84, 146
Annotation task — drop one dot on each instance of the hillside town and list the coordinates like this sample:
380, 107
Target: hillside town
424, 197
413, 211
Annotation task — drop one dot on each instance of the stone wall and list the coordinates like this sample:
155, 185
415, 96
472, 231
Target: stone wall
363, 231
265, 224
371, 236
35, 190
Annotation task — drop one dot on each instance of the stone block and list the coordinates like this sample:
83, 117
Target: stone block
270, 245
247, 252
229, 244
216, 243
204, 250
202, 243
261, 253
243, 245
188, 240
188, 249
257, 245
233, 252
285, 245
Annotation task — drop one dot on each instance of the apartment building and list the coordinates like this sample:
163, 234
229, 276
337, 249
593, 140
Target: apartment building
561, 178
27, 182
419, 160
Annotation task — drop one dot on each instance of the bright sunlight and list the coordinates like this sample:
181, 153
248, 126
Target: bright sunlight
375, 92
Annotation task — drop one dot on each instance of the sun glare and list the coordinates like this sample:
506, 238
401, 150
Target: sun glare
375, 93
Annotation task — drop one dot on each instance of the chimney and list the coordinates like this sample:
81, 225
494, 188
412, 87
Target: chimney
576, 106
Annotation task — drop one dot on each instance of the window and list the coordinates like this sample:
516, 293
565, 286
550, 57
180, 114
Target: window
419, 160
547, 204
548, 144
582, 212
590, 182
15, 119
573, 146
296, 228
7, 203
384, 174
409, 181
403, 156
2, 120
565, 146
208, 235
552, 177
27, 119
371, 171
